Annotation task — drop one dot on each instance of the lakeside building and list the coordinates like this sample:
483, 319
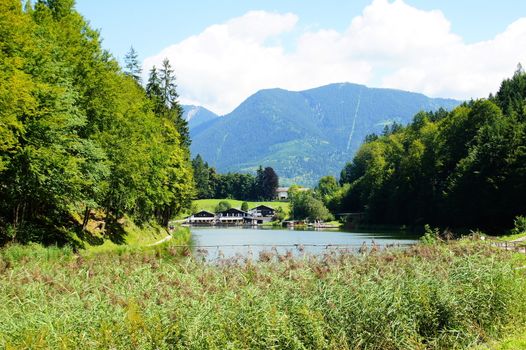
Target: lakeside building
263, 211
233, 216
202, 218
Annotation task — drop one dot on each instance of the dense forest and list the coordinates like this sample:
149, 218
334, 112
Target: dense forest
248, 187
464, 168
80, 135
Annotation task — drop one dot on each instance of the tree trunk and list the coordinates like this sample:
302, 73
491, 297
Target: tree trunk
86, 218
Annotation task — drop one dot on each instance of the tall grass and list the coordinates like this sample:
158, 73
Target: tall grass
436, 297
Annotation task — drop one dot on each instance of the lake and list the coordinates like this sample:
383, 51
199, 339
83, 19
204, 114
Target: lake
227, 242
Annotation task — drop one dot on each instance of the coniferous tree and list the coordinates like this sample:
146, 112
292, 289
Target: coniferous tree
202, 178
169, 97
132, 67
269, 183
257, 191
154, 91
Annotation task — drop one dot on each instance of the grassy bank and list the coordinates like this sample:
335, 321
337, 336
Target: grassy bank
439, 297
125, 236
210, 204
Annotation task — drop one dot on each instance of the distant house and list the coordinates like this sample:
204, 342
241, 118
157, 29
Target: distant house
202, 217
262, 211
282, 193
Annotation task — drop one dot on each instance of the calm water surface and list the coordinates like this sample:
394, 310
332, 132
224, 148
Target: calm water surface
231, 241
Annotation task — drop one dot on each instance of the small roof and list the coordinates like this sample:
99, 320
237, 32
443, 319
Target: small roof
282, 189
233, 209
204, 211
262, 206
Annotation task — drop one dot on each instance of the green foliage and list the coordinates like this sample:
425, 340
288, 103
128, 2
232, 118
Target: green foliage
232, 185
202, 178
266, 184
161, 89
436, 297
293, 189
210, 184
519, 225
280, 214
327, 189
431, 236
464, 168
76, 134
305, 206
132, 66
222, 206
244, 206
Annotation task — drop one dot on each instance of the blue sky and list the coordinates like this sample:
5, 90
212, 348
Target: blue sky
162, 28
152, 25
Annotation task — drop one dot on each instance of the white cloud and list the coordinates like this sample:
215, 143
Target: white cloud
391, 44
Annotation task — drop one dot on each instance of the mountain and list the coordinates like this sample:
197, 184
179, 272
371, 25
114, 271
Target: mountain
197, 115
306, 134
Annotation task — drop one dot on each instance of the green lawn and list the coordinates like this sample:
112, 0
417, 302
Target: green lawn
210, 204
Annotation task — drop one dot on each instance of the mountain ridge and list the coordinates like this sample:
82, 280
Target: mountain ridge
197, 115
304, 134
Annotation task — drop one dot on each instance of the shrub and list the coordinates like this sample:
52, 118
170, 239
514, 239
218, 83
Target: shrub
431, 235
222, 206
244, 206
279, 214
520, 225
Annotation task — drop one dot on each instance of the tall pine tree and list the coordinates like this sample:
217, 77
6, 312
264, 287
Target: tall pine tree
170, 99
132, 67
161, 89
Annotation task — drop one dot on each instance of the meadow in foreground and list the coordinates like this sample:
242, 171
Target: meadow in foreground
429, 296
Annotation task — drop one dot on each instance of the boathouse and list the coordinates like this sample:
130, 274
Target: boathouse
203, 217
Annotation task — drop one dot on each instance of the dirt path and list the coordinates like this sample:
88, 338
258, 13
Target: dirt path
165, 239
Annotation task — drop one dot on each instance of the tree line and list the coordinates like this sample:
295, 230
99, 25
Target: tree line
465, 168
78, 134
247, 187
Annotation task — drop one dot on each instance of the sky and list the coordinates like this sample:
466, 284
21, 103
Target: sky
224, 51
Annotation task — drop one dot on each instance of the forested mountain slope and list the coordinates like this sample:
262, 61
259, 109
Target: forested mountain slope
307, 134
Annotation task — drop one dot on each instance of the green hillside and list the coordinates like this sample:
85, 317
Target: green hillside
304, 135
